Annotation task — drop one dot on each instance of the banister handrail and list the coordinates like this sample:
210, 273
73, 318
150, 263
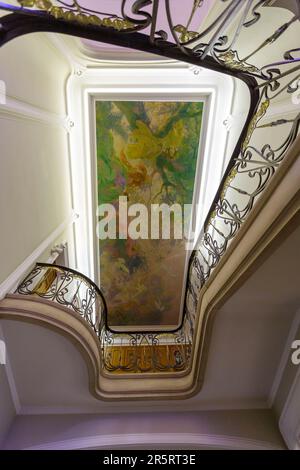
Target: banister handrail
63, 285
144, 351
81, 275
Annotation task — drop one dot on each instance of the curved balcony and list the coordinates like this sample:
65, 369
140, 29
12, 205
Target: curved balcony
120, 352
48, 296
258, 157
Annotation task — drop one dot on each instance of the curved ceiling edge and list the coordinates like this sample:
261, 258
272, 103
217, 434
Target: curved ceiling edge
245, 253
273, 218
222, 278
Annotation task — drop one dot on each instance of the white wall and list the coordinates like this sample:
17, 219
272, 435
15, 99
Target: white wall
35, 196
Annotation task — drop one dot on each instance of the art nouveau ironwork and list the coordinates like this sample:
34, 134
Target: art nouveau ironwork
68, 289
222, 42
121, 352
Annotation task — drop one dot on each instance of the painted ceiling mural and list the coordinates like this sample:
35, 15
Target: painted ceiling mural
147, 154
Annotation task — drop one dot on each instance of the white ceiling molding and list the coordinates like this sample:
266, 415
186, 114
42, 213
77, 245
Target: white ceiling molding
94, 54
284, 359
187, 440
97, 52
12, 281
289, 422
2, 353
143, 83
13, 108
11, 379
78, 52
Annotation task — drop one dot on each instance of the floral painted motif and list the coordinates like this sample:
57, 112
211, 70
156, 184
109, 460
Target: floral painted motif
148, 152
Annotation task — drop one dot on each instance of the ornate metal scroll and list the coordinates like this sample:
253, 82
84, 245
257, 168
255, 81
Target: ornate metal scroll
262, 150
67, 288
132, 352
225, 43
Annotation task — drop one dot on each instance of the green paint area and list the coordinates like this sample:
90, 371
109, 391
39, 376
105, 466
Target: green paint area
148, 152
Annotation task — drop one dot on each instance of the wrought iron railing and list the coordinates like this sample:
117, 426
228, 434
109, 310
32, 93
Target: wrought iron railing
120, 352
225, 43
264, 146
67, 288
